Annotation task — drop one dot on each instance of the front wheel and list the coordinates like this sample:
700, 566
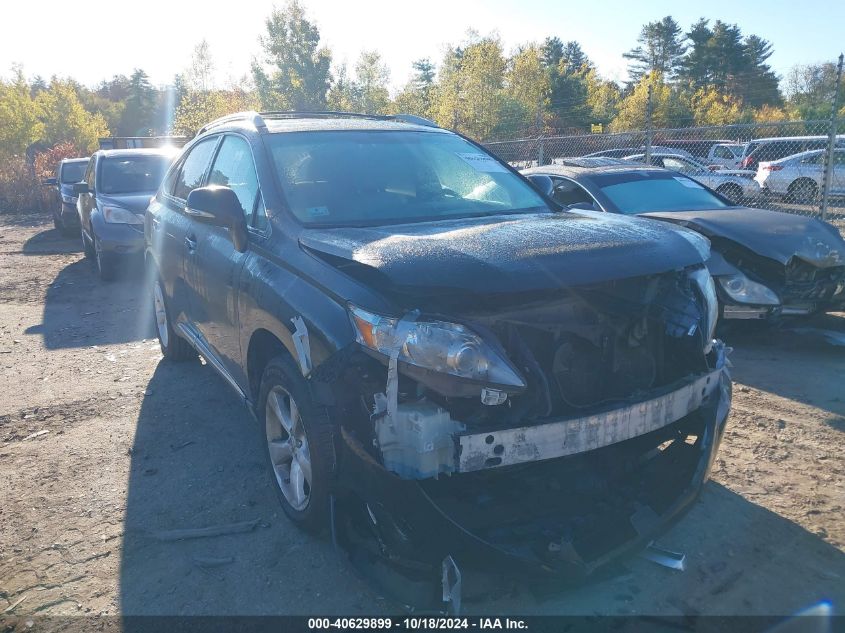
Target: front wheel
106, 263
87, 247
299, 446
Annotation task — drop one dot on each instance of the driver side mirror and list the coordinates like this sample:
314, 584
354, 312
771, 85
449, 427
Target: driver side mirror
219, 206
543, 184
80, 187
49, 182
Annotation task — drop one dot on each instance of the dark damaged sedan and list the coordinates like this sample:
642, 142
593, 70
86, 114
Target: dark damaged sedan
766, 264
447, 369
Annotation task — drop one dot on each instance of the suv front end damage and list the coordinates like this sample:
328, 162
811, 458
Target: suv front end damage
594, 424
755, 287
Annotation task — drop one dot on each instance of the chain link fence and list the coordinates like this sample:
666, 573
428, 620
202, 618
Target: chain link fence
780, 165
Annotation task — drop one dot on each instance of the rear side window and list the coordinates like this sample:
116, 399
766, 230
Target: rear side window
234, 168
193, 168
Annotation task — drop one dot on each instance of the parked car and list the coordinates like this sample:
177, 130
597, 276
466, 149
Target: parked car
440, 360
695, 147
69, 172
766, 264
113, 196
622, 152
799, 178
735, 185
771, 149
726, 155
583, 161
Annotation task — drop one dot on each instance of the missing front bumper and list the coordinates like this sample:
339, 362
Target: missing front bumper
479, 451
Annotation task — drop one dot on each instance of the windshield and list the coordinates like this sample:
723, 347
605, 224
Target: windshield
131, 174
378, 177
656, 191
73, 172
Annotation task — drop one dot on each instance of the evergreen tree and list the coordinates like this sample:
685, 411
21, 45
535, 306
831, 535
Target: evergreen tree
661, 49
138, 117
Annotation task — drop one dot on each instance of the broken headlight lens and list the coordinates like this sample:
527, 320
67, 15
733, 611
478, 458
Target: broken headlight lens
701, 277
743, 290
439, 346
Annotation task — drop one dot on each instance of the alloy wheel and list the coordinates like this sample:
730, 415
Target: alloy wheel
160, 313
287, 444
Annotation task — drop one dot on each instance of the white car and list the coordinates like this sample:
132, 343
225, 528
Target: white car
734, 184
726, 154
798, 178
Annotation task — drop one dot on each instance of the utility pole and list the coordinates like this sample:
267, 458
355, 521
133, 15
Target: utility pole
538, 123
648, 131
831, 141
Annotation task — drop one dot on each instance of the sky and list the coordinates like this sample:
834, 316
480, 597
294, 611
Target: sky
97, 39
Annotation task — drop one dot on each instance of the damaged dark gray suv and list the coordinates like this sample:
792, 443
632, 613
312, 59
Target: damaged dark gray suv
448, 369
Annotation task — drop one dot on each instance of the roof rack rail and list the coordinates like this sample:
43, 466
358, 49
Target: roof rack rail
258, 118
331, 114
254, 117
416, 120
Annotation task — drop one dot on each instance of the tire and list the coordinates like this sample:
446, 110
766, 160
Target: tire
306, 438
173, 347
106, 263
67, 231
731, 192
87, 247
803, 190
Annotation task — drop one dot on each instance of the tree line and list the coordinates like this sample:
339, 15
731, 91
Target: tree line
710, 74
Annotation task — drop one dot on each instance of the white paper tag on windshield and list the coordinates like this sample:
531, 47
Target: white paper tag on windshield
481, 162
686, 182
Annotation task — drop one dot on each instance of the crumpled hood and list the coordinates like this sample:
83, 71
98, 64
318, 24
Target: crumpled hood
509, 253
772, 234
135, 202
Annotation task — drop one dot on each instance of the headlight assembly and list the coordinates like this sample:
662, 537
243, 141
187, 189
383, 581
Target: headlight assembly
119, 215
447, 348
743, 290
704, 282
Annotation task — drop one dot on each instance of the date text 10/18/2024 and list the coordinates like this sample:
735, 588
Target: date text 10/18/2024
419, 623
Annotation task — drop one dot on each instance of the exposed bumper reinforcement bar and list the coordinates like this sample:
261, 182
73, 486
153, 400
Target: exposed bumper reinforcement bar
480, 451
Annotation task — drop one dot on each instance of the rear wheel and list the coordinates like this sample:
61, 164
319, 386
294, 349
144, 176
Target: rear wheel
732, 192
803, 190
173, 346
298, 439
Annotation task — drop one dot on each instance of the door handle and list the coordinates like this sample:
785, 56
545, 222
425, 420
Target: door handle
191, 243
156, 224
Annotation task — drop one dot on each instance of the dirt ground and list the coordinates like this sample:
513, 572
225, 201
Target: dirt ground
103, 446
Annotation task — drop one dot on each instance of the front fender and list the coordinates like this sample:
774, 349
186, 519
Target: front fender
272, 296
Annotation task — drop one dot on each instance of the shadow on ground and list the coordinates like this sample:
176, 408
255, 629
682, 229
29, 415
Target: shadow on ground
196, 463
821, 364
109, 312
51, 242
